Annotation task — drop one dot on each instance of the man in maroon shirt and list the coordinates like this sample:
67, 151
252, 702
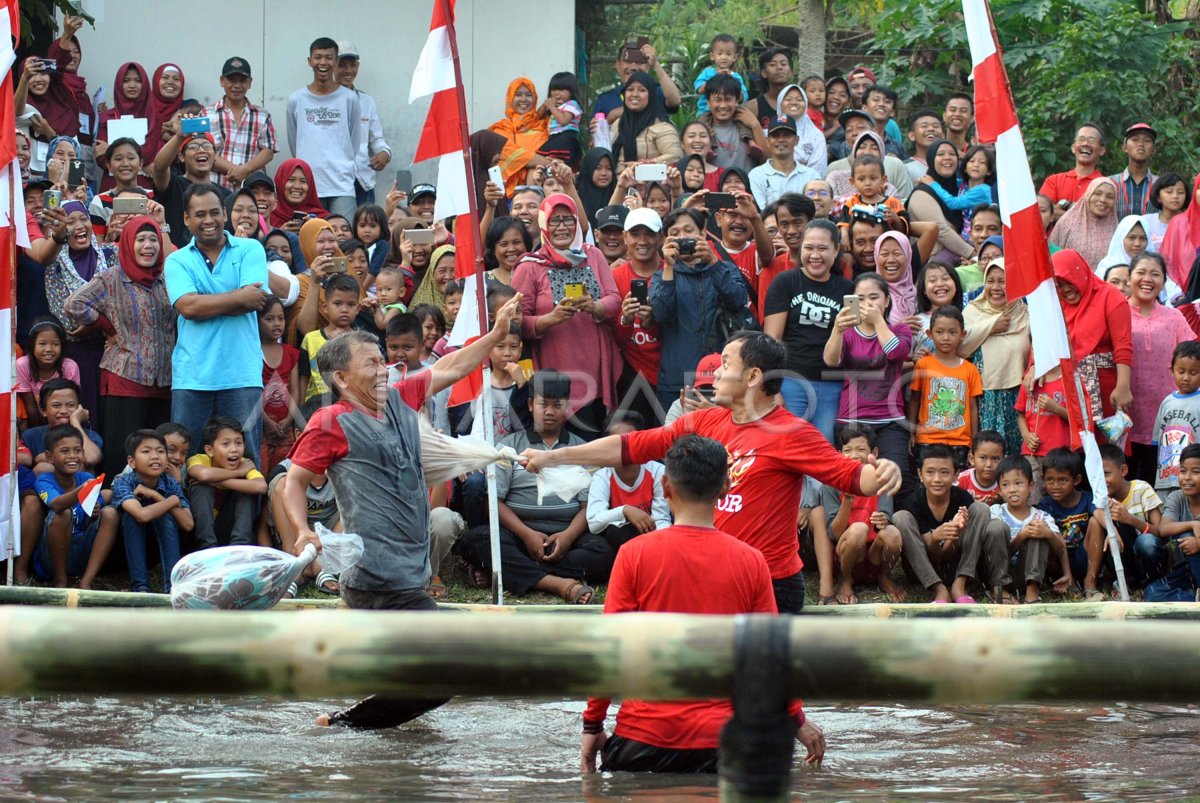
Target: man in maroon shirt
770, 452
655, 572
1067, 188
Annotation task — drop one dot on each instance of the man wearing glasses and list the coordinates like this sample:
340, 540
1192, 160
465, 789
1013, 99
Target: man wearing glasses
821, 194
198, 154
1068, 187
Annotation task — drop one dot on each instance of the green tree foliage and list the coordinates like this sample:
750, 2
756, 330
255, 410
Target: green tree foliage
1068, 61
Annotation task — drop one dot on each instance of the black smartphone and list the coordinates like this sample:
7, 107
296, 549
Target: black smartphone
719, 200
404, 181
300, 216
640, 289
75, 171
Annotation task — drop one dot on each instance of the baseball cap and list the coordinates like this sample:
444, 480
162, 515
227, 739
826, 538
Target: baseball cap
706, 370
259, 178
235, 65
782, 121
37, 184
867, 71
347, 50
850, 114
643, 217
611, 217
1141, 128
422, 189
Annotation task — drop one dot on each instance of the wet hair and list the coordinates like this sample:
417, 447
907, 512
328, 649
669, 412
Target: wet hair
827, 226
495, 233
567, 81
698, 468
935, 451
988, 154
852, 431
921, 114
1190, 452
125, 142
322, 43
1153, 256
761, 351
798, 205
1112, 453
880, 89
765, 57
374, 213
1015, 462
988, 436
55, 385
216, 425
1063, 459
44, 323
403, 324
1170, 180
341, 283
550, 384
947, 311
136, 439
881, 283
174, 428
721, 84
923, 302
630, 418
867, 160
695, 215
60, 433
1187, 350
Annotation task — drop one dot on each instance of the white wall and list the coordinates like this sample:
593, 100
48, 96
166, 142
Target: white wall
496, 44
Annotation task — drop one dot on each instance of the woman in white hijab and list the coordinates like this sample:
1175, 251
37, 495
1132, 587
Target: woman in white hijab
1127, 242
812, 149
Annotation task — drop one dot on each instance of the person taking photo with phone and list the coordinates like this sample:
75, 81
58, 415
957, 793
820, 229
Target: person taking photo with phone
196, 150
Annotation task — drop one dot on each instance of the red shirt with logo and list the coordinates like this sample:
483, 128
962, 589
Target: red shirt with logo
768, 460
639, 345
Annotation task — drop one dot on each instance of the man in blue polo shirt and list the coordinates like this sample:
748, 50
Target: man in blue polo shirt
217, 285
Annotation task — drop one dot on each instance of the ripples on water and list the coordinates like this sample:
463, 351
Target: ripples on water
110, 749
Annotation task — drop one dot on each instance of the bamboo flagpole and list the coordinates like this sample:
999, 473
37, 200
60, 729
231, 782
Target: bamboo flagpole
1027, 254
446, 136
12, 232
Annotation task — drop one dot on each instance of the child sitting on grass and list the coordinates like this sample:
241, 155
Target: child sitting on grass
74, 543
222, 486
150, 501
178, 439
980, 480
1070, 505
1031, 534
868, 544
1181, 524
1136, 512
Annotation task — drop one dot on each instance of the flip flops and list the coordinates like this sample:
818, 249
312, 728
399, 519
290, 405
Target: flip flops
323, 581
965, 599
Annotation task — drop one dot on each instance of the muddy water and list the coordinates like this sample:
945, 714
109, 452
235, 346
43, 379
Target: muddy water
137, 749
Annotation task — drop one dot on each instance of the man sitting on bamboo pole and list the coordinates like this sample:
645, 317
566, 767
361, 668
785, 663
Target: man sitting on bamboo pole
770, 452
657, 572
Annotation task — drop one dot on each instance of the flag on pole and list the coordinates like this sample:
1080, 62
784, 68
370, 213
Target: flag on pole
11, 231
1028, 272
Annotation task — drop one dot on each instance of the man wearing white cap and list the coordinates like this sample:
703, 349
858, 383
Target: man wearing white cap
635, 330
373, 151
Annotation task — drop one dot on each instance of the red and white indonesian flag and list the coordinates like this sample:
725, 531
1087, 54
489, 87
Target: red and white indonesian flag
442, 138
12, 233
89, 494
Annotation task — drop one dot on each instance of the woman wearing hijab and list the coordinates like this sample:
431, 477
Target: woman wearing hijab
868, 142
51, 98
644, 132
570, 332
1181, 243
131, 96
130, 306
597, 178
998, 342
68, 53
893, 261
925, 205
166, 96
971, 276
432, 289
295, 192
81, 259
319, 245
524, 130
1088, 226
1127, 242
1099, 326
811, 149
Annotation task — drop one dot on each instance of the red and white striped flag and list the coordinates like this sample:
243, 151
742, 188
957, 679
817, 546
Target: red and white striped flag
1028, 273
10, 206
444, 137
89, 494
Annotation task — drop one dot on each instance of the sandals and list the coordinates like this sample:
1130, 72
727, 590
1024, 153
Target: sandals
324, 580
437, 589
827, 601
292, 592
578, 593
1093, 595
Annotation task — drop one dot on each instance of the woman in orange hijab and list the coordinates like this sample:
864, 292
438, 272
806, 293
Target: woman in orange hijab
319, 245
524, 128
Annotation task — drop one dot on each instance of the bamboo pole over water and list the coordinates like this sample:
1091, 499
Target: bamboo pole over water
319, 654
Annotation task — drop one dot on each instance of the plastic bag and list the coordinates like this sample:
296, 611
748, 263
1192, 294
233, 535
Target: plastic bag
445, 458
236, 577
1116, 428
339, 551
565, 482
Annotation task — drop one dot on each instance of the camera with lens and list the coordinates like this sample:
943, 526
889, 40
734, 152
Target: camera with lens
686, 245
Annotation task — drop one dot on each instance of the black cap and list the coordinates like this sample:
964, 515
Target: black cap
235, 65
782, 121
612, 217
37, 184
259, 178
422, 189
852, 113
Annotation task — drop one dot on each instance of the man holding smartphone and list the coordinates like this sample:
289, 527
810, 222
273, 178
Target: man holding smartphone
198, 152
635, 329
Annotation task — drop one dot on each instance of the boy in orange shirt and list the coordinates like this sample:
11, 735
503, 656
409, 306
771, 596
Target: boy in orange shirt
945, 389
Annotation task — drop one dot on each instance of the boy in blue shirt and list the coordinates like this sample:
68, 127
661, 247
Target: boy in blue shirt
150, 500
1071, 508
723, 54
73, 543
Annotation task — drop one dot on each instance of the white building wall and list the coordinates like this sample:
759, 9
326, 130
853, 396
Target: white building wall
496, 44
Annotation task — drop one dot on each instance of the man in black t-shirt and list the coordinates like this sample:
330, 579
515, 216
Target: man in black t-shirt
775, 67
197, 153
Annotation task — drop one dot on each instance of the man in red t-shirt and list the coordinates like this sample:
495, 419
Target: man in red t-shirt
635, 329
657, 572
1068, 187
770, 452
745, 240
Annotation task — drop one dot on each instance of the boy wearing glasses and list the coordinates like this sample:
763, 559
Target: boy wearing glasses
198, 155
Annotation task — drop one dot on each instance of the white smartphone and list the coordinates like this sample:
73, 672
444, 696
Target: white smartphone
496, 177
652, 172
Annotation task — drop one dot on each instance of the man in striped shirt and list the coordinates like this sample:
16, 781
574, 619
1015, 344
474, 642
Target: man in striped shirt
243, 132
